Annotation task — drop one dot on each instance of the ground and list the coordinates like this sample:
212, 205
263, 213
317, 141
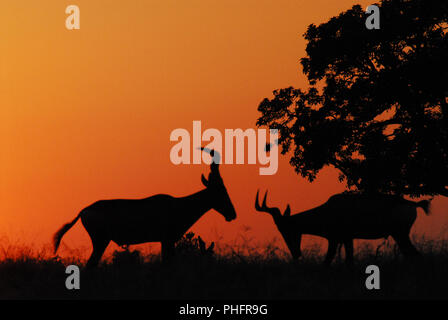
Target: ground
128, 274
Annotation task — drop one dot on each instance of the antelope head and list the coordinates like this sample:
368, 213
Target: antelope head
218, 192
283, 222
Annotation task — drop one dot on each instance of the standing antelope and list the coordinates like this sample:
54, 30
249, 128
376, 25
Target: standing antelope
159, 218
345, 217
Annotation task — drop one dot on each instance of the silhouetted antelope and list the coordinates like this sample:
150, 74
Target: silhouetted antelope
345, 217
159, 218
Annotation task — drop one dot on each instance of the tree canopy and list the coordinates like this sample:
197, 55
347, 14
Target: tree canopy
377, 106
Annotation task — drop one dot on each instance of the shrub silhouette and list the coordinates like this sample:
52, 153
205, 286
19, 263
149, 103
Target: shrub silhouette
127, 257
192, 246
27, 275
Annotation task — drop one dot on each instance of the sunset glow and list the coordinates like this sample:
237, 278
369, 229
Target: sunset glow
87, 114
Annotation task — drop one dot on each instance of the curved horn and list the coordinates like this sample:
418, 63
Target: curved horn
257, 204
264, 208
216, 158
264, 200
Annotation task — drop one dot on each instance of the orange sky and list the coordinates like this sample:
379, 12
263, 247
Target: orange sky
87, 114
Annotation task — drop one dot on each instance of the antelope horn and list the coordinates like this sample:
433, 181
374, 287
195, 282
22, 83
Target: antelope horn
216, 157
264, 201
257, 204
263, 207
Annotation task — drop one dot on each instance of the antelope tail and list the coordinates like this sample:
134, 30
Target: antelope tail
425, 205
60, 233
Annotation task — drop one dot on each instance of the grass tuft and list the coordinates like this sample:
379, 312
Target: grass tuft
236, 272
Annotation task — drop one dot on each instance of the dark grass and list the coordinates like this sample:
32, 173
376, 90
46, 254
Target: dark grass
268, 274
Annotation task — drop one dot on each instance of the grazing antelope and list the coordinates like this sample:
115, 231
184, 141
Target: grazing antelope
159, 218
345, 217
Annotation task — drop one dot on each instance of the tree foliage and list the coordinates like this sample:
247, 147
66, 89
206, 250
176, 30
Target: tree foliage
376, 107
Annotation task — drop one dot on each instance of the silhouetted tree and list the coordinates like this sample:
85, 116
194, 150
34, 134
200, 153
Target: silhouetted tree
377, 106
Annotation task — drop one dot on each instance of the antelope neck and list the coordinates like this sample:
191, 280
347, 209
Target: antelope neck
199, 202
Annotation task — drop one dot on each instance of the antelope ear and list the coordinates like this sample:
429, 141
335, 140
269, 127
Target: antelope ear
287, 212
204, 181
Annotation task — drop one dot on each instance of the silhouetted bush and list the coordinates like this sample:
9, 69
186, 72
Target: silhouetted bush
191, 245
126, 257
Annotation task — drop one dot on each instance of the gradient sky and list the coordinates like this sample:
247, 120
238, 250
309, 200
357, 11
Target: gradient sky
87, 114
